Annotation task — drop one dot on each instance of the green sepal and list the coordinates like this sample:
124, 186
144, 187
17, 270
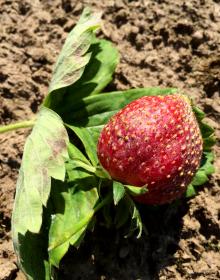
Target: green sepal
206, 166
208, 143
134, 191
136, 221
198, 113
202, 175
118, 192
207, 131
190, 191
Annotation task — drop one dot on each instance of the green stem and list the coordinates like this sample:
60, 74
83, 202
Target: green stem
83, 223
84, 165
105, 201
15, 126
79, 226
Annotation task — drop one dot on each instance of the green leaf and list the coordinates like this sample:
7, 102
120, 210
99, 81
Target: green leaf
97, 75
36, 266
33, 256
200, 178
198, 113
205, 169
77, 163
206, 130
74, 209
207, 163
73, 57
97, 109
102, 173
74, 152
136, 222
118, 191
208, 143
136, 190
74, 172
190, 191
44, 154
88, 142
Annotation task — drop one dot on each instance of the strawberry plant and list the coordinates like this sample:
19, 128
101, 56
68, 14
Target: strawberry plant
90, 150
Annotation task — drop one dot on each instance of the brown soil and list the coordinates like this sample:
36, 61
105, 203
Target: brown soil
162, 43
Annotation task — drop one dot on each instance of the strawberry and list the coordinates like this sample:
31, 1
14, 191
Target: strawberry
153, 141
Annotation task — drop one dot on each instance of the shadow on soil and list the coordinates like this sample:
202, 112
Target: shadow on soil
106, 254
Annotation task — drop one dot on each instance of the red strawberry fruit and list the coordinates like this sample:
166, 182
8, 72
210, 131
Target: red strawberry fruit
153, 141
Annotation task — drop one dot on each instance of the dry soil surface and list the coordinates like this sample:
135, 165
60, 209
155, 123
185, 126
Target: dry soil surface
161, 43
